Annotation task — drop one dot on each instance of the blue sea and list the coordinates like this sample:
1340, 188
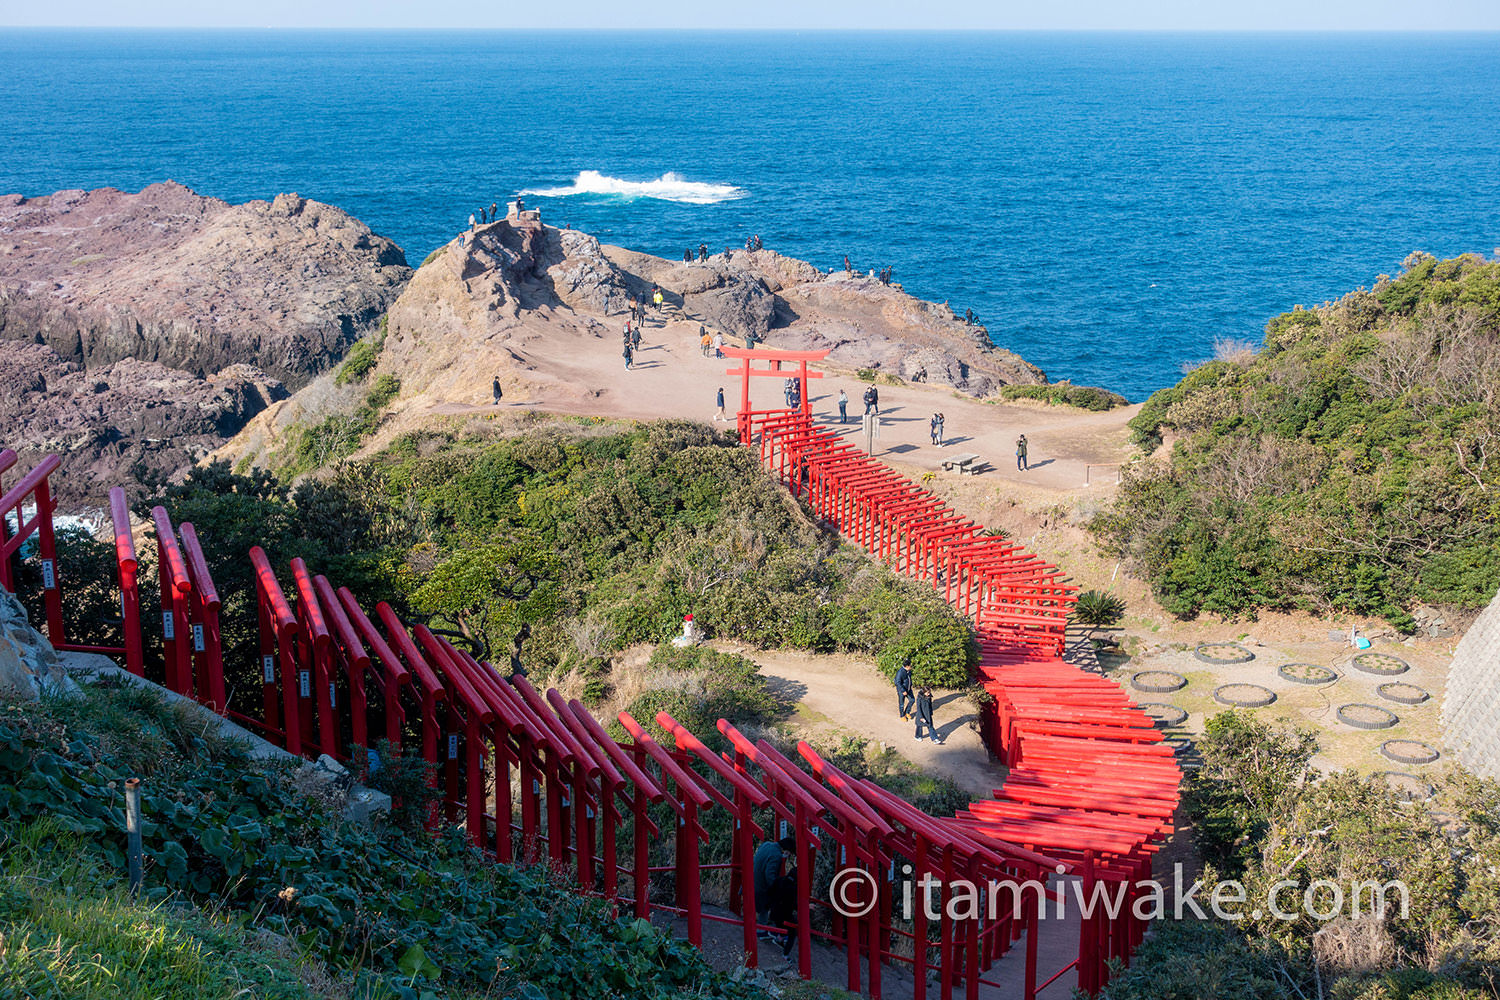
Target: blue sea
1109, 204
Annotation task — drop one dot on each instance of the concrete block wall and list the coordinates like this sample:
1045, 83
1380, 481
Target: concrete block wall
1471, 706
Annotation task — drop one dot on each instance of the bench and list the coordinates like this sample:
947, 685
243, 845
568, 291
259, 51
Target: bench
968, 462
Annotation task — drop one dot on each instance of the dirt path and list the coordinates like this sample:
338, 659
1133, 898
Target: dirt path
844, 694
672, 378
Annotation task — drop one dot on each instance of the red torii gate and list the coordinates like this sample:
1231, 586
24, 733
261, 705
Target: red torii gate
774, 359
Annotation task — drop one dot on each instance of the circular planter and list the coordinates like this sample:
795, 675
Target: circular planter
1381, 664
1244, 695
1402, 693
1361, 715
1223, 652
1409, 752
1408, 786
1157, 681
1166, 715
1307, 673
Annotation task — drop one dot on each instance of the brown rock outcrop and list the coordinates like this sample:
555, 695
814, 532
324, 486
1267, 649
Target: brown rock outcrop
138, 331
193, 283
509, 284
122, 423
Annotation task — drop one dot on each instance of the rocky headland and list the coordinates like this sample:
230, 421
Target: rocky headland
515, 294
541, 310
139, 330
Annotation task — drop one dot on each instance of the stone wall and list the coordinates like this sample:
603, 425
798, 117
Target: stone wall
1471, 707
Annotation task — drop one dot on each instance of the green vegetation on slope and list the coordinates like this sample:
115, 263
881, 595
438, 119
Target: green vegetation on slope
1262, 816
393, 911
559, 547
1353, 464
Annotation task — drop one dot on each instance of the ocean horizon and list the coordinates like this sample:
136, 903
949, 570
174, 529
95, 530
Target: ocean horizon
1109, 203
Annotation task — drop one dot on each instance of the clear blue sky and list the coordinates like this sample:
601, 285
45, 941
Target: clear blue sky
1149, 15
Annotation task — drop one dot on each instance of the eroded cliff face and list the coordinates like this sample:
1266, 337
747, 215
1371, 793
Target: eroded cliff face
138, 331
518, 299
193, 283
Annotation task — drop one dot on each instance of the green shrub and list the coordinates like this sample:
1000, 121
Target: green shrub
1084, 397
1298, 475
942, 650
385, 389
1098, 609
358, 363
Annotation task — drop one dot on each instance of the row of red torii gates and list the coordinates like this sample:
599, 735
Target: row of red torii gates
534, 777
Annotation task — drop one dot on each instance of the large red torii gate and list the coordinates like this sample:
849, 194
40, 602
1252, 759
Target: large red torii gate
774, 359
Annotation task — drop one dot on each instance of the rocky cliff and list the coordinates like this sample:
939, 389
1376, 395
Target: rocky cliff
513, 295
139, 330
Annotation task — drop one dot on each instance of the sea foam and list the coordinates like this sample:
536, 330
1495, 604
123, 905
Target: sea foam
667, 187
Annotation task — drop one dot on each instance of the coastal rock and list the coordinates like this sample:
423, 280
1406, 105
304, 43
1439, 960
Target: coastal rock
28, 664
121, 423
139, 331
192, 283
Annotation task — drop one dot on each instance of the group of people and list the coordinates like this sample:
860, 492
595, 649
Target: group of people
918, 705
793, 392
752, 243
707, 342
631, 336
936, 429
485, 216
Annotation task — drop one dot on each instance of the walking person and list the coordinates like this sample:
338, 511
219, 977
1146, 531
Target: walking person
904, 698
843, 407
656, 299
932, 429
497, 391
924, 715
635, 338
629, 355
721, 415
718, 344
704, 340
939, 441
1021, 464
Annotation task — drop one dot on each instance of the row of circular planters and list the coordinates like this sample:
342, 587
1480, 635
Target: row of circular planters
1359, 715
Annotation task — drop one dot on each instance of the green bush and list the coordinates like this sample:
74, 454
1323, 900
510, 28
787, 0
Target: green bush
1097, 608
1084, 397
942, 651
1304, 477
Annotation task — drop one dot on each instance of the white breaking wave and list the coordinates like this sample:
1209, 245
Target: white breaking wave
667, 187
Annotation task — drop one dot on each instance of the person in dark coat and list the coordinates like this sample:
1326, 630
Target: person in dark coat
766, 869
497, 390
924, 714
904, 697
